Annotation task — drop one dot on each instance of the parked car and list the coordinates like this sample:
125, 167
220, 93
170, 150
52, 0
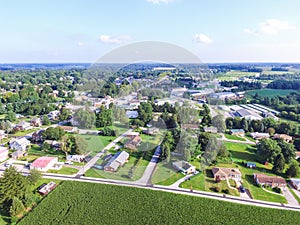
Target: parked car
69, 163
8, 164
242, 189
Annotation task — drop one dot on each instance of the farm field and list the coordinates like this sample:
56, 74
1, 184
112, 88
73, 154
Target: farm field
269, 92
109, 204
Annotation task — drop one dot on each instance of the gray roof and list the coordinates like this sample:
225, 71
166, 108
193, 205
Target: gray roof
118, 159
121, 157
296, 181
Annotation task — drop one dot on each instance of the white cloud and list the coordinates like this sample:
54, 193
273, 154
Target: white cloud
202, 38
114, 39
160, 1
80, 44
270, 27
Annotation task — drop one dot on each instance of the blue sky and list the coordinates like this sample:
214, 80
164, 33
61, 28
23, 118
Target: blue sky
215, 30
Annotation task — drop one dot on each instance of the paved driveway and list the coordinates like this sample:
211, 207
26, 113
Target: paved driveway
289, 197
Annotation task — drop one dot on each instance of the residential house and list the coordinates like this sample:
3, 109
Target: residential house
75, 158
3, 153
23, 125
18, 154
44, 163
19, 144
151, 131
2, 134
226, 173
213, 130
297, 154
132, 114
284, 137
270, 181
53, 143
184, 167
259, 136
132, 134
251, 165
237, 132
37, 136
69, 129
36, 122
53, 115
133, 143
119, 159
295, 182
190, 126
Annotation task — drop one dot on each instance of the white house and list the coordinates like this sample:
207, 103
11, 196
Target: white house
184, 167
19, 144
132, 114
2, 134
3, 153
75, 158
44, 163
295, 182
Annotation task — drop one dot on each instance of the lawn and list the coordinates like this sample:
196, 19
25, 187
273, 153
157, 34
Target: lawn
164, 174
243, 153
196, 182
269, 92
64, 170
89, 203
96, 143
35, 151
234, 137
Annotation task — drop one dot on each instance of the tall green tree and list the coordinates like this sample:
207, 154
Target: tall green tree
12, 185
278, 164
267, 150
293, 170
84, 118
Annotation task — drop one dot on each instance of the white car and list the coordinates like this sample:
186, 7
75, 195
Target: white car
68, 162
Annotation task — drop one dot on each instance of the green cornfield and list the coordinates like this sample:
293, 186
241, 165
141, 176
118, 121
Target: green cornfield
78, 203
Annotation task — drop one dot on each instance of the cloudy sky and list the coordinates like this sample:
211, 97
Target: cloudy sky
215, 30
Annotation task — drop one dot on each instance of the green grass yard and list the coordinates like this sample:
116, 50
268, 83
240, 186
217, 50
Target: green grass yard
234, 137
65, 170
165, 174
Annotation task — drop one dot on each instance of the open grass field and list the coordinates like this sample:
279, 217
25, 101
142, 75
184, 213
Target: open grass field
269, 92
88, 203
96, 143
35, 151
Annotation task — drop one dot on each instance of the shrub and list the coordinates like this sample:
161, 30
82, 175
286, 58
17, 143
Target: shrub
217, 189
277, 190
225, 191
